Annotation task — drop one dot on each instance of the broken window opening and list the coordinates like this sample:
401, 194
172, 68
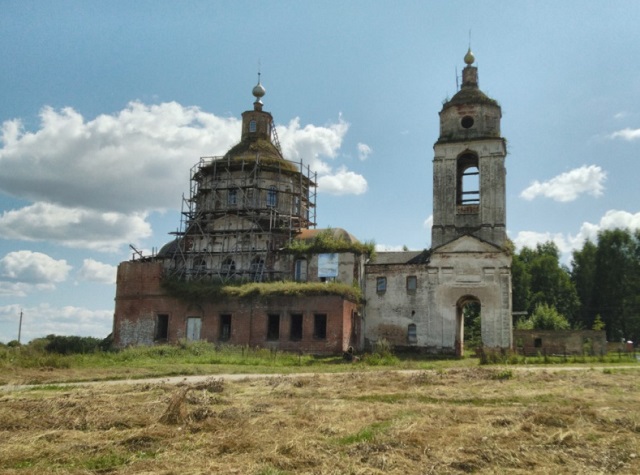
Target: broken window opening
295, 329
232, 197
320, 326
412, 333
468, 180
300, 274
537, 343
228, 267
273, 327
162, 327
225, 327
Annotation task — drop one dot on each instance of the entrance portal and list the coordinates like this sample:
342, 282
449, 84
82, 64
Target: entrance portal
468, 315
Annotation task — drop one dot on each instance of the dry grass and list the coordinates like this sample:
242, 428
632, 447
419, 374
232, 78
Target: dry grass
468, 420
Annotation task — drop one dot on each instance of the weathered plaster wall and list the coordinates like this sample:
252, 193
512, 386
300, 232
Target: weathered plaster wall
466, 269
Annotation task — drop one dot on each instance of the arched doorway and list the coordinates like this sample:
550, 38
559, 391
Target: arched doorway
467, 315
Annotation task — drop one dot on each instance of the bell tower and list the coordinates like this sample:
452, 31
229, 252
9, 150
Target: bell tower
469, 175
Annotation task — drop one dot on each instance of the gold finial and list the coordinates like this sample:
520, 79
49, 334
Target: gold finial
469, 58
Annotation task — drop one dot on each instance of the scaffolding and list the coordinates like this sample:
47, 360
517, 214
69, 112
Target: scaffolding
239, 212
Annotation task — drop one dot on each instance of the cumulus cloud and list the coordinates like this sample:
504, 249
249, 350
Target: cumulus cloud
22, 272
364, 151
626, 134
569, 186
44, 320
134, 161
314, 145
343, 182
567, 243
74, 227
96, 271
33, 267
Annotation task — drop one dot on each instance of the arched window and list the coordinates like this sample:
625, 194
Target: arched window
228, 267
272, 197
257, 267
468, 180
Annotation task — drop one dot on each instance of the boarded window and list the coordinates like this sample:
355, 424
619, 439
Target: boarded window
194, 326
273, 327
225, 327
295, 330
162, 327
412, 283
381, 284
320, 326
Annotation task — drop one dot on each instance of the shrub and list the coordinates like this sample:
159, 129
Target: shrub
68, 345
544, 317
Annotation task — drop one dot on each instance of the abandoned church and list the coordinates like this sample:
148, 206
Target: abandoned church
248, 266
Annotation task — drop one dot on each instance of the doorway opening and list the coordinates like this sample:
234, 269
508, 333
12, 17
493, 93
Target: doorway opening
468, 324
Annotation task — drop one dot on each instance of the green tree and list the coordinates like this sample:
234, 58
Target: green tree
583, 275
617, 283
550, 283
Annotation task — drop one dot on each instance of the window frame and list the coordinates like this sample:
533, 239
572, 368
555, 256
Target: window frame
225, 322
414, 280
381, 284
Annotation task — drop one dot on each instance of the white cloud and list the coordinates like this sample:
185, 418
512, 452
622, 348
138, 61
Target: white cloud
389, 248
134, 161
96, 271
428, 223
44, 320
343, 182
33, 268
567, 243
24, 272
364, 151
74, 227
621, 115
626, 134
570, 185
313, 145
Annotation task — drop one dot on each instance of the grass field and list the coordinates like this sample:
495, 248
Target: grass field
497, 419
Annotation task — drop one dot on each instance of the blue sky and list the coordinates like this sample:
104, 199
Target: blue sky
105, 106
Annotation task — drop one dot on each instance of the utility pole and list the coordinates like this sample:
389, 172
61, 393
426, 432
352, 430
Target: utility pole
20, 327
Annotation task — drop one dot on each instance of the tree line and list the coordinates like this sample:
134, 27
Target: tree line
601, 289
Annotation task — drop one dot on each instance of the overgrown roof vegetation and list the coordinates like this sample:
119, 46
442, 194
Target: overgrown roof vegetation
269, 154
327, 241
200, 290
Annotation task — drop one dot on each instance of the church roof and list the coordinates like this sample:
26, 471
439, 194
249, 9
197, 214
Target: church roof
402, 257
338, 233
